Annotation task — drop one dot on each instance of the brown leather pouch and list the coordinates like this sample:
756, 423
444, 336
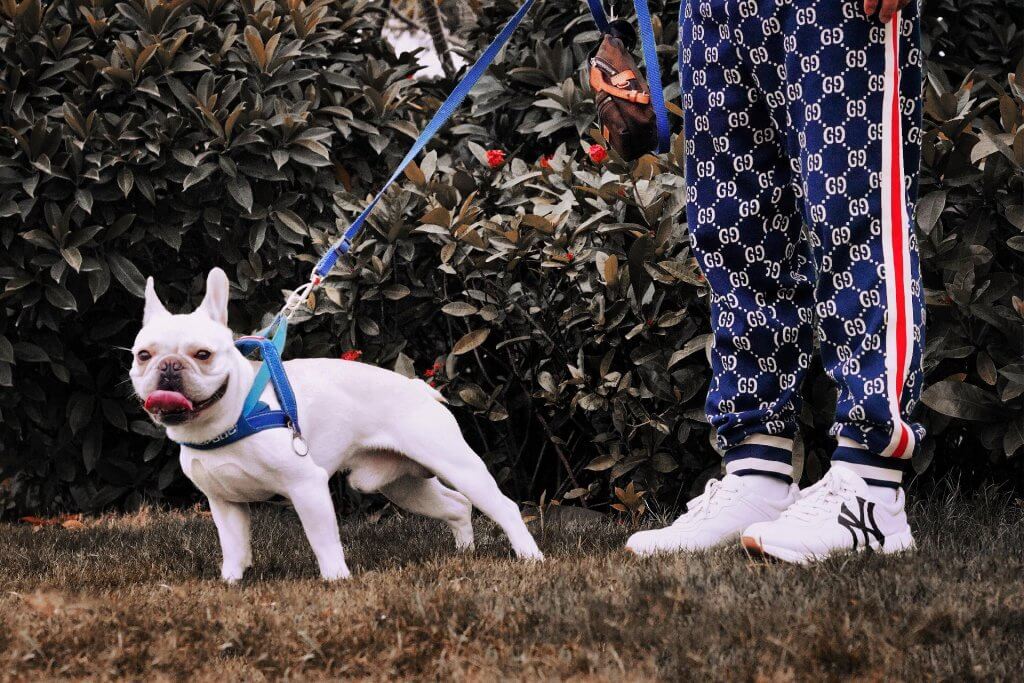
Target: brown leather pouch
623, 98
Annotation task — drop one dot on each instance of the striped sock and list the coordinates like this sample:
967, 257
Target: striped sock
875, 470
770, 456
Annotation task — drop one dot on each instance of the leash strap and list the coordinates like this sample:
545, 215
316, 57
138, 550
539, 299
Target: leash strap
277, 333
256, 415
275, 373
650, 50
455, 98
600, 18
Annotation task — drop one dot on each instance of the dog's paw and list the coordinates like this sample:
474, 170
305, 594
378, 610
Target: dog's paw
530, 555
232, 575
335, 573
463, 536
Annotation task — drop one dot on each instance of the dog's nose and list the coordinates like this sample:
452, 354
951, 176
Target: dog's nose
170, 365
169, 374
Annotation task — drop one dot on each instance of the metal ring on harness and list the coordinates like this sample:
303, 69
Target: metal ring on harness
299, 445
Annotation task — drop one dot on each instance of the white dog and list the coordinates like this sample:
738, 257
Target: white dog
392, 434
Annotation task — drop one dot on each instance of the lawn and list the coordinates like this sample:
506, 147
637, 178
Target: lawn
138, 596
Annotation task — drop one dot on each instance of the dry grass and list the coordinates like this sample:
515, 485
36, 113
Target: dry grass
139, 597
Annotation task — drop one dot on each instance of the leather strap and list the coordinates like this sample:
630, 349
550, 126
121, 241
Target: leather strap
599, 84
622, 79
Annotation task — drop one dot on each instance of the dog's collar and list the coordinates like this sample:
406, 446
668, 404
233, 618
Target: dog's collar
259, 419
256, 415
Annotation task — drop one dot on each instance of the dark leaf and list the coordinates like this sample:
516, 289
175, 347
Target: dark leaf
241, 192
127, 274
958, 399
470, 341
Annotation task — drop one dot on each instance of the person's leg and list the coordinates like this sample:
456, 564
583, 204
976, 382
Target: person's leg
745, 229
846, 89
855, 112
860, 160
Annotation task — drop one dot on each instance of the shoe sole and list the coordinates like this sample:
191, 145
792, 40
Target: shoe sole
752, 547
756, 549
725, 542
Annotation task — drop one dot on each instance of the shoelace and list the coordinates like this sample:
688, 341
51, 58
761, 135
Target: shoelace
707, 503
823, 497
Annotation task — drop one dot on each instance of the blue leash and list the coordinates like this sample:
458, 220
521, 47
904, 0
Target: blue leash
650, 50
458, 94
257, 415
444, 113
600, 18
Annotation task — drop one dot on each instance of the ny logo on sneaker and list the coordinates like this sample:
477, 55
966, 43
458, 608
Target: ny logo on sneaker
864, 522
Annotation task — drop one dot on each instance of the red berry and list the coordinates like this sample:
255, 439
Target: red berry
597, 153
352, 354
545, 161
495, 157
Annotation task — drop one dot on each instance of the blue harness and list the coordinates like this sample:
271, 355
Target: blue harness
257, 415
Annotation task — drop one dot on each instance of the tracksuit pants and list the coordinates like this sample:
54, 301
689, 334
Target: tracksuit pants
803, 133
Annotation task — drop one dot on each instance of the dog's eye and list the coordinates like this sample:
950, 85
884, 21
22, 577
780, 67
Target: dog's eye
143, 355
202, 354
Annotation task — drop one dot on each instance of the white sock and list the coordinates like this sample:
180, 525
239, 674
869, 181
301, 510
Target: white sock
767, 487
882, 494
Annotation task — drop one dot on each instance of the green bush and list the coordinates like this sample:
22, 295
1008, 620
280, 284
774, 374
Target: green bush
553, 298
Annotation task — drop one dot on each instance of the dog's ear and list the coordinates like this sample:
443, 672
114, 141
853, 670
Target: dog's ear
154, 307
215, 303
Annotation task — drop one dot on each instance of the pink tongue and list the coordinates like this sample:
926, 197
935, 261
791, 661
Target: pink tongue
167, 401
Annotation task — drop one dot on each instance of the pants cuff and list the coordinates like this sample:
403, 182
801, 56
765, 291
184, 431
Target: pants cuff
770, 456
873, 469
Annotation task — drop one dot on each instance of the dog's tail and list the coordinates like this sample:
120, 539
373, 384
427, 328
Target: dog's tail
434, 393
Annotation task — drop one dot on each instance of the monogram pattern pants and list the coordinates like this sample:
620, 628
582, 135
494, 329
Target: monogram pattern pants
803, 132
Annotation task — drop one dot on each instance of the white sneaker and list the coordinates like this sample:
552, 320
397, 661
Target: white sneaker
839, 513
713, 518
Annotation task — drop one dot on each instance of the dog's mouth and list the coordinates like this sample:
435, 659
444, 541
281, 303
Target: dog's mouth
174, 407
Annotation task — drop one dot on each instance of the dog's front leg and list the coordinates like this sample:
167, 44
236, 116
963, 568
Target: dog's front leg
312, 501
233, 528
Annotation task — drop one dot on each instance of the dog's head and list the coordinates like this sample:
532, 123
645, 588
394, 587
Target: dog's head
186, 369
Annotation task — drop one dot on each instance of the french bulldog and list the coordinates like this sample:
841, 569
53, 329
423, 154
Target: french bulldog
392, 435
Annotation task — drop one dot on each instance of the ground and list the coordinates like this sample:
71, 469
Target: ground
138, 596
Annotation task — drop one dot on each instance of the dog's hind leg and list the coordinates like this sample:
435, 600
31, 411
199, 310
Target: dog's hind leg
312, 501
431, 498
464, 471
435, 441
233, 530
